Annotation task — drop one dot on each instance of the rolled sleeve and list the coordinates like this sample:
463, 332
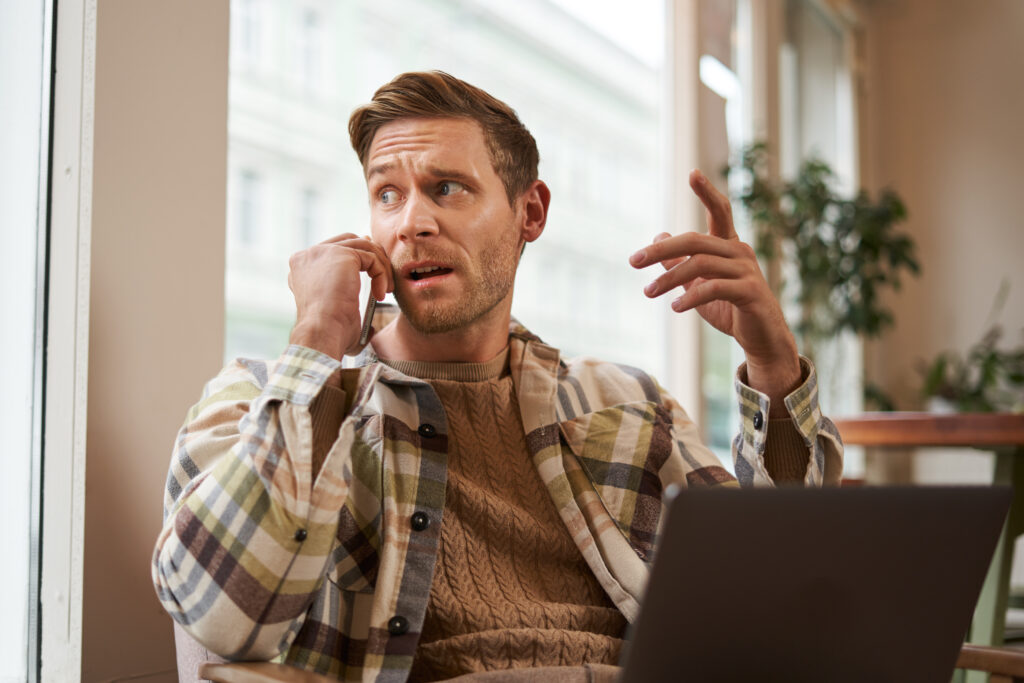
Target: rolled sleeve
824, 446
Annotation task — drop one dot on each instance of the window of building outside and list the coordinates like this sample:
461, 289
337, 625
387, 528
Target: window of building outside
585, 77
816, 114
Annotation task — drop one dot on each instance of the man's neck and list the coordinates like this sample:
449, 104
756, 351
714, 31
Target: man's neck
476, 343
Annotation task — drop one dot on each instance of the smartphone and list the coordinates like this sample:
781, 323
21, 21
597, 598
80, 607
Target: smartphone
371, 306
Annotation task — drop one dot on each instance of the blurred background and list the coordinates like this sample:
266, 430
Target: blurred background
152, 192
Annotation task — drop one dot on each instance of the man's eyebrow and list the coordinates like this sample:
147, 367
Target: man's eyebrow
436, 171
379, 169
451, 173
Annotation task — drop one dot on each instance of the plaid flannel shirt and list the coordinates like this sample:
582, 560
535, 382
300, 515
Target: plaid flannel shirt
259, 561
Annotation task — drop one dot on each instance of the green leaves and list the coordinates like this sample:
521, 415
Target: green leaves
986, 379
846, 251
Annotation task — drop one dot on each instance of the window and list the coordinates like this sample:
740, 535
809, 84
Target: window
817, 119
25, 31
249, 195
309, 217
815, 109
247, 20
727, 98
590, 93
309, 49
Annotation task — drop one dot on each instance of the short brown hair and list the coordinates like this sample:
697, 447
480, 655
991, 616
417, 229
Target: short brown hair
435, 94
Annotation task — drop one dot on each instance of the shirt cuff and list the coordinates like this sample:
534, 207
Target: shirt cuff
299, 374
755, 406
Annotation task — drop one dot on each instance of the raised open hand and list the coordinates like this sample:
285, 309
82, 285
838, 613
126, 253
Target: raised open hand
722, 280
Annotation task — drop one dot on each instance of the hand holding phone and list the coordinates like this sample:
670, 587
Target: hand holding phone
325, 280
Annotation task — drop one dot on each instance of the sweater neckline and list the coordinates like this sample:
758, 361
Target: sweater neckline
451, 370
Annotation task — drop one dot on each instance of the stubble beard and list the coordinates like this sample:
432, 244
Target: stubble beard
487, 286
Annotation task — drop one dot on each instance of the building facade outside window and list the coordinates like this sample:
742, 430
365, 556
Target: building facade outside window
593, 104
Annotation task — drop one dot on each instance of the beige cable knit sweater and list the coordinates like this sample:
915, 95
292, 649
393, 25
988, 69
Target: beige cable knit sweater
510, 588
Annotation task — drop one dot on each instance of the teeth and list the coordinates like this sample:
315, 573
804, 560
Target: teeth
428, 269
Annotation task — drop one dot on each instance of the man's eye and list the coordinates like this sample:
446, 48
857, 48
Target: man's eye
449, 187
388, 197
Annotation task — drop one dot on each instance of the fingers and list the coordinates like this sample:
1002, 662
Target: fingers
341, 238
736, 292
702, 266
381, 277
719, 210
373, 260
671, 249
668, 262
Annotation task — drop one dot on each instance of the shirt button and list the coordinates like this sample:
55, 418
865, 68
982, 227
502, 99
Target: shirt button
300, 535
426, 430
758, 420
420, 521
398, 625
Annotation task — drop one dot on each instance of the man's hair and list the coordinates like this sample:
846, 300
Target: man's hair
435, 94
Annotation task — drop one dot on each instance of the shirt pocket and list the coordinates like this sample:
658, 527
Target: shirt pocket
622, 450
355, 559
356, 556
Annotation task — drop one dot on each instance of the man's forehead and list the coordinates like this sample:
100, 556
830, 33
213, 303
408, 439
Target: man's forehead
451, 139
418, 132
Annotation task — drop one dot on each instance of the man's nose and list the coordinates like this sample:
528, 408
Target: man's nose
417, 219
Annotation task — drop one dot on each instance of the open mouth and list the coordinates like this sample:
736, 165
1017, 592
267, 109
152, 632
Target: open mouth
428, 272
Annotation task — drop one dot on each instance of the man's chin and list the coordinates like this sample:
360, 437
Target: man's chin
434, 322
433, 317
430, 317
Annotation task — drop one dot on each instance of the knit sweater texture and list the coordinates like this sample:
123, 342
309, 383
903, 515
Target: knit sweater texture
510, 588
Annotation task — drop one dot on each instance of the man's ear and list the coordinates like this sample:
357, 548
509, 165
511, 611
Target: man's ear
534, 203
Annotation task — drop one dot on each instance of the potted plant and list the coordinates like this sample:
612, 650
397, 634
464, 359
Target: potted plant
846, 251
984, 379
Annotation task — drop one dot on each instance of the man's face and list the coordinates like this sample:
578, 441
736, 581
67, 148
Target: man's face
440, 211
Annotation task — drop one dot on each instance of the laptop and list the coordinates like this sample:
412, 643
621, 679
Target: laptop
860, 584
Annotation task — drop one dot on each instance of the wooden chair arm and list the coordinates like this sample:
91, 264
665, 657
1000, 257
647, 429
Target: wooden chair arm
262, 672
258, 672
1005, 664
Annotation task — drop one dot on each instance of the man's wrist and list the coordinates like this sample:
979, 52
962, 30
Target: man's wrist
776, 379
327, 339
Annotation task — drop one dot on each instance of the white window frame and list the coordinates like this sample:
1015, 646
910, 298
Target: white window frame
682, 131
63, 533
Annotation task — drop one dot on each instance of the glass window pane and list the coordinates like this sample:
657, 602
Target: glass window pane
23, 138
725, 103
584, 77
818, 121
816, 118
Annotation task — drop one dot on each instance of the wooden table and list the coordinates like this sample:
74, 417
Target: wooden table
1002, 433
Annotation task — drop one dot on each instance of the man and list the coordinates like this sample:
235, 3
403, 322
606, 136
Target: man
457, 498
